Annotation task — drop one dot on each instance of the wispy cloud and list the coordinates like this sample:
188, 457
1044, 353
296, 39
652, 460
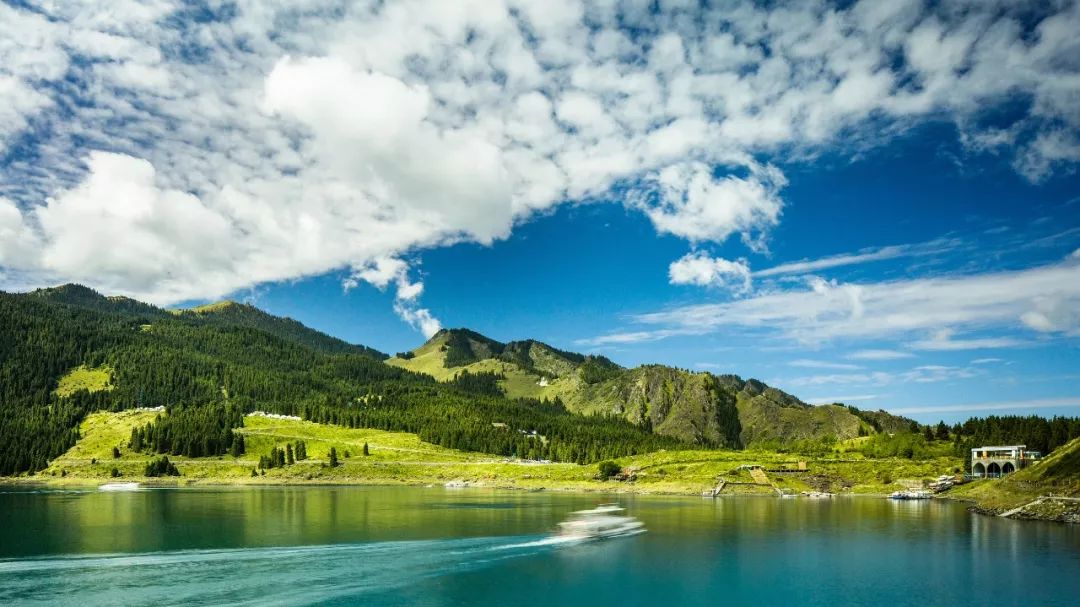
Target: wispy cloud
924, 374
1016, 405
934, 247
848, 398
879, 355
943, 341
1042, 300
631, 337
822, 364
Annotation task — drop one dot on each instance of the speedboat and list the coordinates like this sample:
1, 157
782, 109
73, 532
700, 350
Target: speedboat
119, 487
602, 522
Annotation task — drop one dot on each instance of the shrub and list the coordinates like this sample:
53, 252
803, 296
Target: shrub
161, 467
607, 469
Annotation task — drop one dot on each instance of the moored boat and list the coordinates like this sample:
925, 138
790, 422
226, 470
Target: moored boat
910, 495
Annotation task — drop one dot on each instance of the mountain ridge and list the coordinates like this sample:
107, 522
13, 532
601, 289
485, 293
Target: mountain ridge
697, 406
225, 313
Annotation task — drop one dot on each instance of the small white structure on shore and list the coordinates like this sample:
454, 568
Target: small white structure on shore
995, 462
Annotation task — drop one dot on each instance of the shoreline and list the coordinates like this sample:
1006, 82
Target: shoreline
156, 483
972, 505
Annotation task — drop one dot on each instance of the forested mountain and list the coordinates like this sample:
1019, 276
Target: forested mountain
214, 363
701, 408
233, 314
68, 351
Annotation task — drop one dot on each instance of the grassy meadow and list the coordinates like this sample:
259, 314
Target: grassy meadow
402, 458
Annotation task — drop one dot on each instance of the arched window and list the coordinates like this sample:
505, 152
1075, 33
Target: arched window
1007, 468
978, 470
993, 470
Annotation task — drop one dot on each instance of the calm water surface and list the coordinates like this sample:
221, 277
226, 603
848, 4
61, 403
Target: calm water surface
434, 547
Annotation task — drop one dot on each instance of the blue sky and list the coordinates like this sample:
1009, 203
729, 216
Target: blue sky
588, 270
870, 202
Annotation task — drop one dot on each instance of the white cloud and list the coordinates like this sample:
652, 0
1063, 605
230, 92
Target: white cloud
18, 243
301, 139
850, 398
690, 202
877, 254
943, 340
631, 337
420, 318
879, 355
702, 270
924, 374
384, 270
379, 272
1016, 405
822, 364
896, 309
120, 229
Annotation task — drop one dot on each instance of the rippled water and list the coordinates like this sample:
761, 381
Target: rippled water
409, 546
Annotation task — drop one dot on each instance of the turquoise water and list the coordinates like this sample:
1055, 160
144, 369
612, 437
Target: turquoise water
435, 547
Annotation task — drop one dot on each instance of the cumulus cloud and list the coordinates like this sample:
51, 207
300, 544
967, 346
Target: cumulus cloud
692, 203
383, 271
17, 242
303, 139
702, 270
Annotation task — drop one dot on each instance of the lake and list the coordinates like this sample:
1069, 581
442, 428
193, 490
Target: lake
432, 547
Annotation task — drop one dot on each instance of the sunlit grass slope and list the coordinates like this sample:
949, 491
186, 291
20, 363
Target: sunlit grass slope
431, 360
1058, 474
402, 458
85, 378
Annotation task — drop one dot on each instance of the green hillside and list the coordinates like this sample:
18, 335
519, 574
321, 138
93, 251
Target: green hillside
402, 458
209, 366
76, 366
700, 408
1019, 494
233, 314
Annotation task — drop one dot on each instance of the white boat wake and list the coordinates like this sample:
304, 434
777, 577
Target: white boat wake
253, 576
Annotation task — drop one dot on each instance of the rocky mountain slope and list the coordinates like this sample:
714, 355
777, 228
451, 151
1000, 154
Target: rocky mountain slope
702, 408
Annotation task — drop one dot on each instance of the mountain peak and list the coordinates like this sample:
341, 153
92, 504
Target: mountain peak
69, 293
219, 306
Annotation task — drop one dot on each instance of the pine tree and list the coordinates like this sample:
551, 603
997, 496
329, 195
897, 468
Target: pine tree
366, 452
237, 448
289, 455
116, 452
333, 457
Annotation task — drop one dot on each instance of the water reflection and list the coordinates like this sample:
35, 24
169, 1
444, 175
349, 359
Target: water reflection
340, 543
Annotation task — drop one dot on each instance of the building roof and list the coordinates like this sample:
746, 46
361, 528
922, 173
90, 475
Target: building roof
1000, 448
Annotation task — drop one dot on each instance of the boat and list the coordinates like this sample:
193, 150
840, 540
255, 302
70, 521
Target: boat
119, 487
603, 522
910, 495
